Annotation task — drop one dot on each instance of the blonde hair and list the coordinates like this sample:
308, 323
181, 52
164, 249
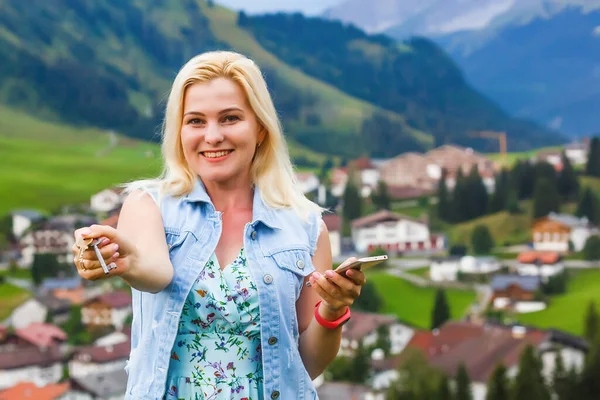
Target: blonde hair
271, 170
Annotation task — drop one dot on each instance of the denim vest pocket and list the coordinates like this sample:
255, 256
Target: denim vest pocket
297, 264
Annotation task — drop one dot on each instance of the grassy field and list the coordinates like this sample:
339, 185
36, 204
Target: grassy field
505, 228
567, 312
414, 304
11, 297
47, 165
592, 183
422, 272
513, 157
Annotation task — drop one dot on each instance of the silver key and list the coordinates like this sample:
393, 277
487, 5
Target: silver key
105, 268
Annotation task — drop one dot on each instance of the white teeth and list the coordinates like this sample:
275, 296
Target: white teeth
215, 154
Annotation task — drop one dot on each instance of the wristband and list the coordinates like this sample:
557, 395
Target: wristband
331, 324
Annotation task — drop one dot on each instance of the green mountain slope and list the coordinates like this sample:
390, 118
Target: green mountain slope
414, 78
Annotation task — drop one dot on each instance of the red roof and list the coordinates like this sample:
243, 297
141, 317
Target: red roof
362, 323
101, 354
333, 222
543, 257
362, 163
42, 335
378, 217
28, 390
116, 299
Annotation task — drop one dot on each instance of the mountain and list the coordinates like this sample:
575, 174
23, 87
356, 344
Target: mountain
109, 63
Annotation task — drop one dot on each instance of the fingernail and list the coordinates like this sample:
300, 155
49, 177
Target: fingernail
115, 247
105, 242
316, 275
329, 273
116, 255
85, 232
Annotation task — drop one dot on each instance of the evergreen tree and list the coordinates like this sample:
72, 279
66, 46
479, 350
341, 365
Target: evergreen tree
544, 169
477, 198
498, 385
463, 384
242, 19
592, 323
360, 364
499, 200
589, 385
589, 206
529, 383
460, 208
383, 339
444, 392
417, 379
545, 198
560, 379
567, 182
591, 249
592, 167
481, 240
522, 179
441, 310
444, 205
369, 299
381, 197
351, 203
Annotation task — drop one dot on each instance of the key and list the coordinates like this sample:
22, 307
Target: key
83, 244
105, 268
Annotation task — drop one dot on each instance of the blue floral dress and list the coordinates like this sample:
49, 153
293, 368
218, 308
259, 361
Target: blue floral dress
217, 353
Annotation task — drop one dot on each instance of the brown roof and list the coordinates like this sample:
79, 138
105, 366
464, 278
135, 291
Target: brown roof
407, 192
362, 163
361, 324
378, 217
42, 335
101, 354
543, 257
25, 356
333, 222
116, 299
28, 390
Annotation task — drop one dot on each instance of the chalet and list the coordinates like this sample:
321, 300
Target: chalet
107, 386
107, 200
516, 292
42, 366
94, 360
555, 231
334, 227
394, 233
22, 220
363, 327
447, 268
539, 263
29, 390
108, 309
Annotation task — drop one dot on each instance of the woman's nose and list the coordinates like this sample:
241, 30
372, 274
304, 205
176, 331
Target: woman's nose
213, 134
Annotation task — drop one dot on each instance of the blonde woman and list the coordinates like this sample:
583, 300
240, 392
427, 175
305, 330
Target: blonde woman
219, 249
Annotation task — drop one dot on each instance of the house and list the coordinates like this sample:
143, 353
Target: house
59, 309
516, 292
338, 178
113, 338
408, 170
447, 268
31, 311
577, 152
539, 263
107, 200
70, 289
394, 233
94, 360
108, 309
555, 231
368, 174
42, 366
307, 181
22, 220
333, 222
47, 241
363, 327
349, 391
29, 390
40, 335
107, 386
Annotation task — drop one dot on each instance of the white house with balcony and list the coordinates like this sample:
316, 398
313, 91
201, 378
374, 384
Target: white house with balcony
394, 233
447, 268
555, 231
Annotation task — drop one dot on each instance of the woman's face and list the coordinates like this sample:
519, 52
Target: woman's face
219, 132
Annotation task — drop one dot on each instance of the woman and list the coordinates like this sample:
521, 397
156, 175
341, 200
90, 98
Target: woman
229, 264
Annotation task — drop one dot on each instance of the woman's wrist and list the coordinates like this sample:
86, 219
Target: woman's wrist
330, 313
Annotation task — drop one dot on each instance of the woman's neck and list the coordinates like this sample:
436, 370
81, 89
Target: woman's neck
230, 197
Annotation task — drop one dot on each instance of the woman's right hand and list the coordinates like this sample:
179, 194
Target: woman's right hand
114, 248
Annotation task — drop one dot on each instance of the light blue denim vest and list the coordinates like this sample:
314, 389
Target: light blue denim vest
279, 248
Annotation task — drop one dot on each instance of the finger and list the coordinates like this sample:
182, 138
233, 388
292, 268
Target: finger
340, 280
327, 297
356, 276
106, 252
98, 231
332, 289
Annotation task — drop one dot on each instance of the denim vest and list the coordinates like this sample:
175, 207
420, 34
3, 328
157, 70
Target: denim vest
279, 248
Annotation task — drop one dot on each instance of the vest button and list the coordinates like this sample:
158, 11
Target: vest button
300, 264
268, 279
253, 235
275, 394
272, 340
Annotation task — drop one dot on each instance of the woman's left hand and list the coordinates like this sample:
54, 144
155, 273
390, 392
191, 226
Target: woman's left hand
338, 290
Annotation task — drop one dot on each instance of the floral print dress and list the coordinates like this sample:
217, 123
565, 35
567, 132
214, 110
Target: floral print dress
217, 354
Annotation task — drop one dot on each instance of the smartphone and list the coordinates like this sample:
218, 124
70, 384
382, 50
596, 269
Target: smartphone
362, 263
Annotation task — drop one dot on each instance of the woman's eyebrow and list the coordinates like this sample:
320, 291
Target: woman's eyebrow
200, 114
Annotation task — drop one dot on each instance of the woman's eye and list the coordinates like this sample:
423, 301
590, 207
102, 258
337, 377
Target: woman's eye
231, 118
194, 121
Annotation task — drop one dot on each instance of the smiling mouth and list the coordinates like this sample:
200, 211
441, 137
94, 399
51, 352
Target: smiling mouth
216, 154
